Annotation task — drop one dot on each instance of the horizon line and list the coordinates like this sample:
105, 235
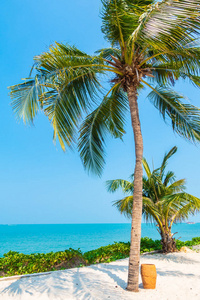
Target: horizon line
14, 224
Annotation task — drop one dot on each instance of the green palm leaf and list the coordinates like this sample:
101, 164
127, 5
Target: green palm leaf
185, 118
113, 185
108, 117
125, 206
170, 24
66, 83
146, 168
169, 178
25, 99
166, 157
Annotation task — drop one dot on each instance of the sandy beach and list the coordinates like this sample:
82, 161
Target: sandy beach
178, 278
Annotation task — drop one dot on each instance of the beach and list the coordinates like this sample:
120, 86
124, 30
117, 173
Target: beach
178, 276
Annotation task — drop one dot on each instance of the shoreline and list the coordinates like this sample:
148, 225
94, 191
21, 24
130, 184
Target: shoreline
18, 264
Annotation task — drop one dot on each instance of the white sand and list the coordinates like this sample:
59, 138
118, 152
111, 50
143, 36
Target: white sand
178, 278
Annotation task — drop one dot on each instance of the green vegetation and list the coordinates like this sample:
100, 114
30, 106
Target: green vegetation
193, 242
152, 44
108, 253
15, 263
164, 199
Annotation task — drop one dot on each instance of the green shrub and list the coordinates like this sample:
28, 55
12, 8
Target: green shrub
193, 242
108, 253
148, 245
15, 263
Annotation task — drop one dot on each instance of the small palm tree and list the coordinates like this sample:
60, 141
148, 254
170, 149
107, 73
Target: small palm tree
152, 44
164, 200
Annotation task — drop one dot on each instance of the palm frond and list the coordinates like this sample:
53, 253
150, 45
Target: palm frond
66, 102
26, 99
125, 206
66, 81
166, 76
166, 157
185, 118
169, 66
114, 185
146, 167
179, 206
107, 53
169, 178
120, 18
150, 211
170, 24
177, 186
191, 207
107, 118
62, 57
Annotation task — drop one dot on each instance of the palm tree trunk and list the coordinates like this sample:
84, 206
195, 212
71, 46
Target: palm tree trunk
134, 259
168, 242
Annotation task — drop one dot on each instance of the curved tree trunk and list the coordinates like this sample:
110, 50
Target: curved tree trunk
134, 259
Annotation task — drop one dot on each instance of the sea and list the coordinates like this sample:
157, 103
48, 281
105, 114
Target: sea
58, 237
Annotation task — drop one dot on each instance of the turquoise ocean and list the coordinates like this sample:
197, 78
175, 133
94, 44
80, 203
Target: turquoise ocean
46, 238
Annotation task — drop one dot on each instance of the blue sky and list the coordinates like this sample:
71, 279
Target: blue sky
39, 183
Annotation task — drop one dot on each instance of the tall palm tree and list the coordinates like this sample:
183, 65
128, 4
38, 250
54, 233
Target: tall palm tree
152, 44
164, 199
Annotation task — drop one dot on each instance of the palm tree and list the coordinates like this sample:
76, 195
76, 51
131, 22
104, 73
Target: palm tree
164, 200
152, 44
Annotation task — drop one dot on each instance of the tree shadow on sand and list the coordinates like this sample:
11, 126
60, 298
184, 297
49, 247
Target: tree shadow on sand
177, 258
176, 273
82, 284
108, 269
45, 284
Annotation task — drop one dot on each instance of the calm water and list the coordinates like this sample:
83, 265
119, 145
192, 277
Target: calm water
46, 238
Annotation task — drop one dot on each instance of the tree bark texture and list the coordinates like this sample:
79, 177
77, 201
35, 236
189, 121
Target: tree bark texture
134, 259
168, 242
